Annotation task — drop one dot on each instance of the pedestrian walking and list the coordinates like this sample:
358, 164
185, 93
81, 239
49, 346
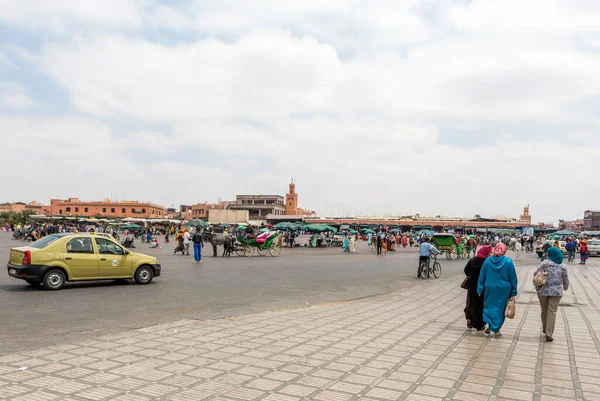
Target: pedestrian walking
550, 293
180, 246
571, 248
379, 244
474, 307
186, 242
346, 243
497, 283
198, 241
352, 245
584, 254
519, 250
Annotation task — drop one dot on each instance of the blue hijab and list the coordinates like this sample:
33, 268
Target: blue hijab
555, 255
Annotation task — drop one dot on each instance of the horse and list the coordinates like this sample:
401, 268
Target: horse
216, 239
472, 244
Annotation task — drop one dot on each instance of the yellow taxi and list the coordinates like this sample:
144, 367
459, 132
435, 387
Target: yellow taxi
55, 259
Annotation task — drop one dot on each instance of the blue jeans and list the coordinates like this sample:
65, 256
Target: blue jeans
198, 252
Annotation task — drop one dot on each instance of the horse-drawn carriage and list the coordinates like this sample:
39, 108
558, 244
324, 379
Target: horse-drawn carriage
446, 243
245, 246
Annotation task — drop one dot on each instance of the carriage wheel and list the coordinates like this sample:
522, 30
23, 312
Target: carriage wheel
262, 251
248, 251
464, 254
275, 250
239, 250
454, 252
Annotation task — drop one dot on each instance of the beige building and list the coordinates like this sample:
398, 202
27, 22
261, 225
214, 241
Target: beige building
216, 216
259, 206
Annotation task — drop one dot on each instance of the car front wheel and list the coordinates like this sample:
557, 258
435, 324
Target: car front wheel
54, 280
144, 275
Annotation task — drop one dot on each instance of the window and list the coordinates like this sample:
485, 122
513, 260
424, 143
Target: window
85, 209
132, 210
103, 210
76, 209
112, 209
123, 210
143, 210
44, 241
68, 209
80, 245
60, 211
106, 247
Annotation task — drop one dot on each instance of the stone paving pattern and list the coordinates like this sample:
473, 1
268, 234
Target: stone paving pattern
408, 345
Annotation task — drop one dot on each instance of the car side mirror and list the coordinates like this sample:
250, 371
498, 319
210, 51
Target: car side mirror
126, 252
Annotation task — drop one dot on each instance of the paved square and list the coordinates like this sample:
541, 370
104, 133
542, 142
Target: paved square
406, 345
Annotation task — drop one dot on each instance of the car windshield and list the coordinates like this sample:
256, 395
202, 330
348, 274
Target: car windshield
44, 242
594, 243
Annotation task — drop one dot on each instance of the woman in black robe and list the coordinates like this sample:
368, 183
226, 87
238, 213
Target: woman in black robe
474, 307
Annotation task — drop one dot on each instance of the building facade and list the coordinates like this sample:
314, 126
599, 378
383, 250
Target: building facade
259, 206
591, 219
220, 216
33, 206
575, 225
201, 210
106, 208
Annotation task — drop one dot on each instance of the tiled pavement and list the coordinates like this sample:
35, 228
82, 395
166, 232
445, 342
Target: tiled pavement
411, 345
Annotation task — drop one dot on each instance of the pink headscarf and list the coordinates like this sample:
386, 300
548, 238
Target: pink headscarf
500, 250
484, 251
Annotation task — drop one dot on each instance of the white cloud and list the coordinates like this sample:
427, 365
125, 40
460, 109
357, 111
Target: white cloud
77, 157
14, 96
16, 101
350, 97
60, 16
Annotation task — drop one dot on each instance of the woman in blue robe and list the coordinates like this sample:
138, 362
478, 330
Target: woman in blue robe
497, 283
346, 244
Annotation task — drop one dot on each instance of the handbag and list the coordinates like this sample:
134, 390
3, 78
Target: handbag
465, 284
541, 277
509, 312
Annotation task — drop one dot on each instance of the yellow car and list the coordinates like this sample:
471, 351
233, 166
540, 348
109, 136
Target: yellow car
55, 259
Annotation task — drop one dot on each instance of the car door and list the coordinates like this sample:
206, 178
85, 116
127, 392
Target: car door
113, 260
81, 258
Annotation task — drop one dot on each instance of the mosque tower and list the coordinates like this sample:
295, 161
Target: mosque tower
291, 200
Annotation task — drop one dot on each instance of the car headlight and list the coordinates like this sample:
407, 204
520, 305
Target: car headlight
156, 261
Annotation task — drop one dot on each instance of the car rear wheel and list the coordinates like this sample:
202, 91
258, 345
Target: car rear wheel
144, 275
54, 280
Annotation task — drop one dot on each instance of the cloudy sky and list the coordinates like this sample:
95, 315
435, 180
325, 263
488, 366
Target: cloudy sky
450, 107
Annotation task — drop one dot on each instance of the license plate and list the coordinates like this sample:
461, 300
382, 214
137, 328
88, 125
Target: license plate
13, 271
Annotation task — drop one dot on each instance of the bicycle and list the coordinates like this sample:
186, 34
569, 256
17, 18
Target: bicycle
425, 268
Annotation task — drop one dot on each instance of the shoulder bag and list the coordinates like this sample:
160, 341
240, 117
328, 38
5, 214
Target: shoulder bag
541, 277
509, 312
465, 283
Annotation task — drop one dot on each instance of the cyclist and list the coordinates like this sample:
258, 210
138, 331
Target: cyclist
425, 253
